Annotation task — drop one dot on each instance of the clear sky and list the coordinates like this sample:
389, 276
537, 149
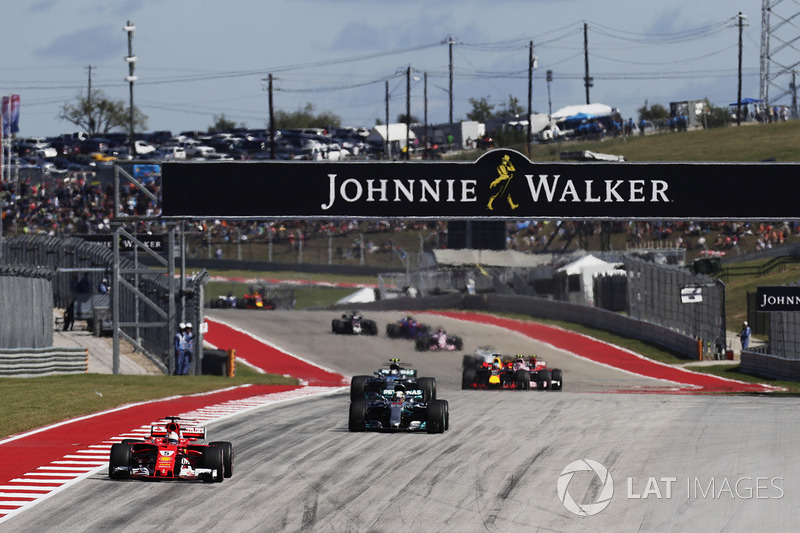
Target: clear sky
198, 59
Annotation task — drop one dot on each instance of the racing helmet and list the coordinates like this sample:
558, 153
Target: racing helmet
399, 391
496, 362
172, 438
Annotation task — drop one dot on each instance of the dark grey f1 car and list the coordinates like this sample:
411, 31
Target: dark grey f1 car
399, 409
354, 324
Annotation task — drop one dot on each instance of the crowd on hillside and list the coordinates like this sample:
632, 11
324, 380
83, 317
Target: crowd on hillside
702, 236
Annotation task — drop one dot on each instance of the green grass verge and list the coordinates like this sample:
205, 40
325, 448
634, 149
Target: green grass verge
40, 401
734, 372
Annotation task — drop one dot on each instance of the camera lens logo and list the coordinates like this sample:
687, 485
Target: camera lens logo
589, 509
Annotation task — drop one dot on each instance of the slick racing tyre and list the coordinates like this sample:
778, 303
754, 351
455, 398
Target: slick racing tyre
544, 380
370, 327
522, 379
358, 416
120, 456
336, 325
393, 331
212, 458
458, 342
558, 380
467, 377
437, 416
358, 386
428, 387
227, 456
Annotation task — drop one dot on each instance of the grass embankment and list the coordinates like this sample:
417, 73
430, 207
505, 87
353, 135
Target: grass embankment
39, 401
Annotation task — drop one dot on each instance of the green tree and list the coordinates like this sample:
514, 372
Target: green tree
653, 113
221, 124
305, 118
715, 117
512, 108
482, 110
401, 118
99, 115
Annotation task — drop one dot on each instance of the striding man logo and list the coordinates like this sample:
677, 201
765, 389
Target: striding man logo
505, 173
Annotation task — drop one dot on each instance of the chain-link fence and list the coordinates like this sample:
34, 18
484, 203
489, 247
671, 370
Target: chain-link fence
675, 298
79, 264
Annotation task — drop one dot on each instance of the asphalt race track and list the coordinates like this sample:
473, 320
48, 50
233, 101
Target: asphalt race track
678, 462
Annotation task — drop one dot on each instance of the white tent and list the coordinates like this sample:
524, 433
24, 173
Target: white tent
588, 267
360, 296
597, 110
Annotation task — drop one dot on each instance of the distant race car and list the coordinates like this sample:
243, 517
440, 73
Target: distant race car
399, 409
386, 378
171, 452
439, 341
407, 328
503, 372
354, 324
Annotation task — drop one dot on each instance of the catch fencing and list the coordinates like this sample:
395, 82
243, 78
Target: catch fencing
677, 299
69, 260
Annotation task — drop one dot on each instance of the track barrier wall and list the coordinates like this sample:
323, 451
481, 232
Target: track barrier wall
31, 361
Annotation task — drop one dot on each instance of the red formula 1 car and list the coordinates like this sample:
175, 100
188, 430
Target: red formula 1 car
501, 372
172, 452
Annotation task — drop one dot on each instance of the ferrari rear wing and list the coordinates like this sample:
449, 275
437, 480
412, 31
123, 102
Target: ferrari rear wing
187, 432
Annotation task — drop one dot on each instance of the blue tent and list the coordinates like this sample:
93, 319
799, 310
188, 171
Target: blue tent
746, 101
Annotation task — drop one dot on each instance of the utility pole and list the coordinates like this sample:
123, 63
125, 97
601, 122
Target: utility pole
408, 113
425, 98
89, 101
549, 101
530, 95
450, 41
739, 93
386, 144
587, 80
271, 119
131, 59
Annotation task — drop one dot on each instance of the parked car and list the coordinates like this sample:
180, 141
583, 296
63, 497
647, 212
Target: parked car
143, 147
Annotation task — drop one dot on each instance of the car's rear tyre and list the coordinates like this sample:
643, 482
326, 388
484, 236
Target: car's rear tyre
358, 385
227, 456
467, 377
370, 327
437, 416
428, 387
522, 379
422, 345
458, 342
213, 459
358, 416
558, 379
392, 331
120, 456
336, 325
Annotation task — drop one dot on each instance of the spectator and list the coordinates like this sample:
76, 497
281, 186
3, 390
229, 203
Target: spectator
102, 288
